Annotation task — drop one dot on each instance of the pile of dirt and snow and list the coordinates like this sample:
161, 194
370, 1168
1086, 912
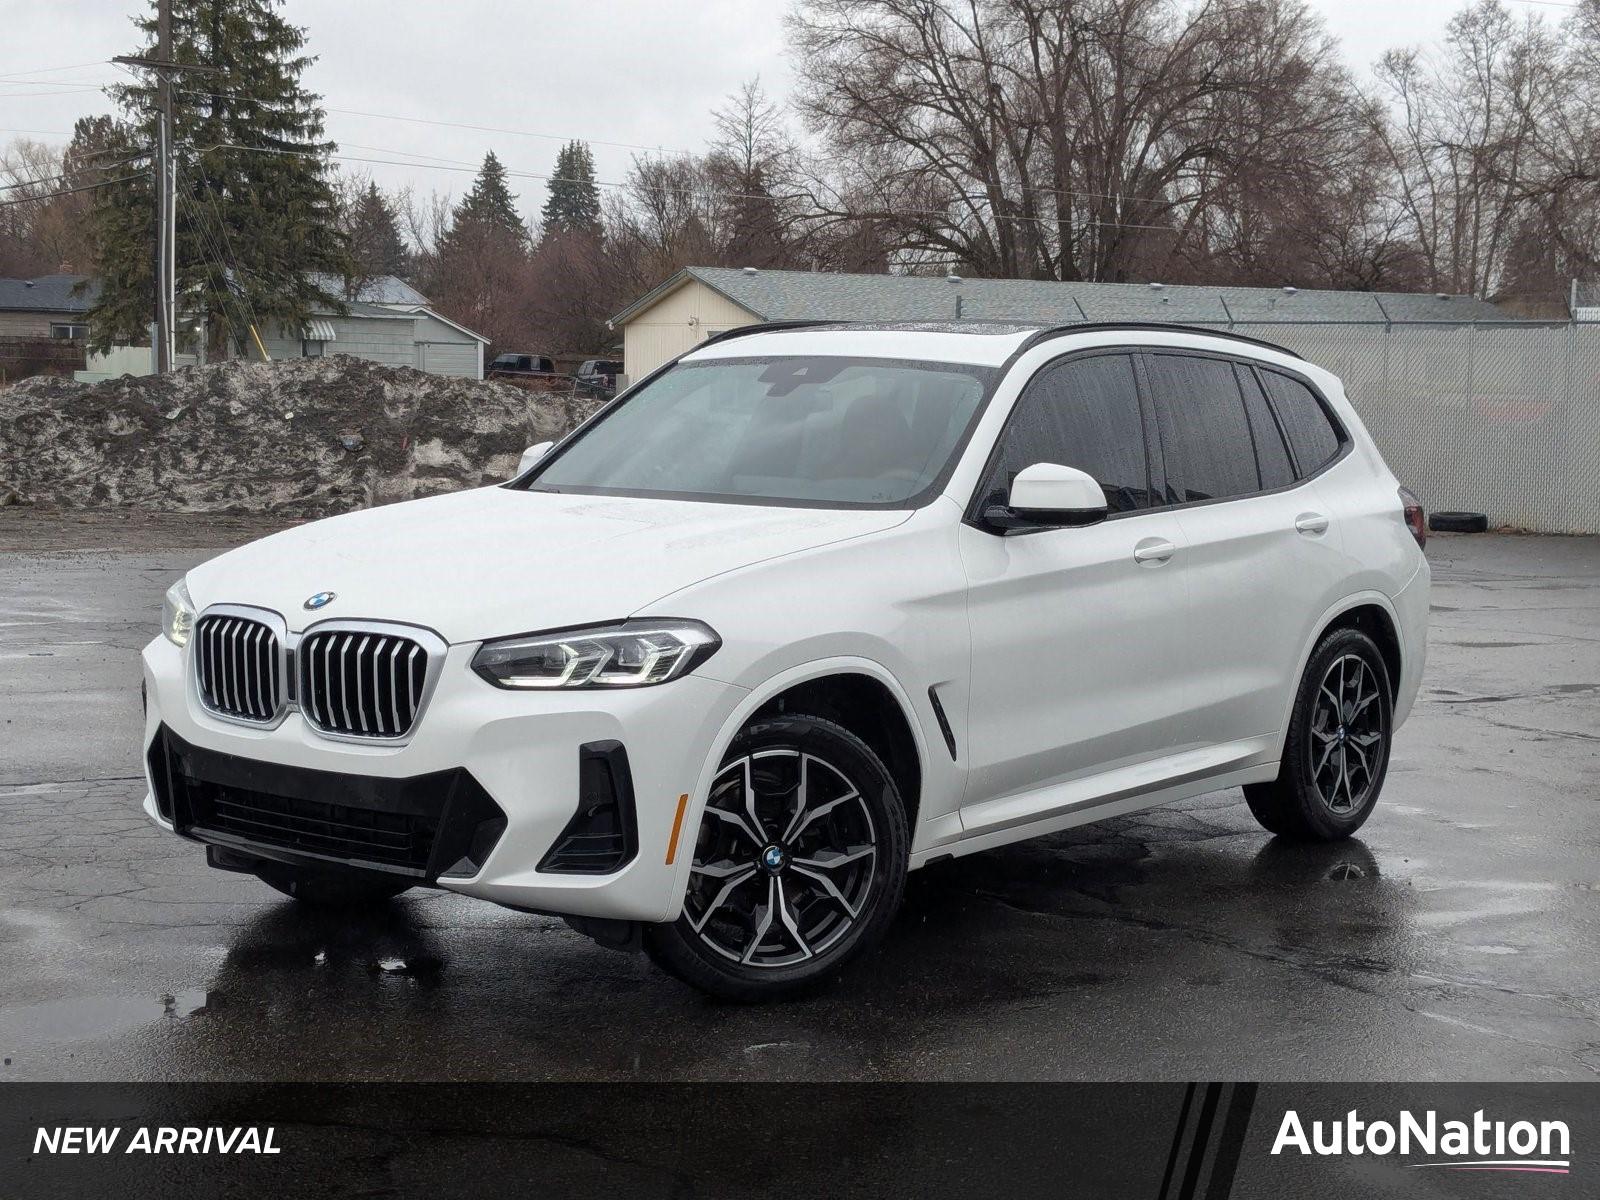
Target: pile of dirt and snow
303, 437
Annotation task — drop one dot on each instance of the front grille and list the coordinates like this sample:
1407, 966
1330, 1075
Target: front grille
360, 683
238, 667
338, 831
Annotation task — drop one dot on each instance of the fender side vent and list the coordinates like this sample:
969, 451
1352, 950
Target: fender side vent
603, 835
944, 724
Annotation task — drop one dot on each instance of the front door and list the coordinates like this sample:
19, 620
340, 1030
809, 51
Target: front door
1077, 634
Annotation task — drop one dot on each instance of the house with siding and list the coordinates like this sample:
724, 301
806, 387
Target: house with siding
386, 321
47, 306
700, 301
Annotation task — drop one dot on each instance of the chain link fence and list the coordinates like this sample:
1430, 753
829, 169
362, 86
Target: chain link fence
1502, 419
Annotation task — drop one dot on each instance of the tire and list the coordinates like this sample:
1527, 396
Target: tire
1458, 522
834, 874
1333, 766
331, 889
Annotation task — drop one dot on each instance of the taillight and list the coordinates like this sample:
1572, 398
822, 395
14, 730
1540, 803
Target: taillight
1416, 519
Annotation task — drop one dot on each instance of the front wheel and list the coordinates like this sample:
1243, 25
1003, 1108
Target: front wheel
799, 863
1336, 753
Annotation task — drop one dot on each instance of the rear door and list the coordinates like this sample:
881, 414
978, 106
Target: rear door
1077, 634
1262, 560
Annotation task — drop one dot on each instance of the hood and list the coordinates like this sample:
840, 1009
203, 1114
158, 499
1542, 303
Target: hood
492, 562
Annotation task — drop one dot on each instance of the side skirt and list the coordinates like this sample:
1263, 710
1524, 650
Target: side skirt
1115, 793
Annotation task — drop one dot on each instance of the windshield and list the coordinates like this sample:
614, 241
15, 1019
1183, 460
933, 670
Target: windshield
845, 432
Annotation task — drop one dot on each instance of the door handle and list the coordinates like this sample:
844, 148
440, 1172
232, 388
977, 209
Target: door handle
1311, 523
1153, 551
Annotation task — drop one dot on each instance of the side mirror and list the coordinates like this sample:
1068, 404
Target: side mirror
530, 456
1046, 495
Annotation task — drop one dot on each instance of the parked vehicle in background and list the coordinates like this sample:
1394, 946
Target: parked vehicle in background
809, 609
599, 374
518, 363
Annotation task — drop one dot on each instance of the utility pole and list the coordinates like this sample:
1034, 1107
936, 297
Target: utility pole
164, 68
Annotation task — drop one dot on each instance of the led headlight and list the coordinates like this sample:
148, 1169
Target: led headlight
177, 615
631, 654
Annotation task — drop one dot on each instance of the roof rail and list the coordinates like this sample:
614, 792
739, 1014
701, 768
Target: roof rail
1154, 327
1034, 339
765, 327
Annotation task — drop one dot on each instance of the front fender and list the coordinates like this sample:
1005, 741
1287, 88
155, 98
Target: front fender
752, 703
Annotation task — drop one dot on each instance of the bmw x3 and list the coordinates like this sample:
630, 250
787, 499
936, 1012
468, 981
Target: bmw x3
804, 610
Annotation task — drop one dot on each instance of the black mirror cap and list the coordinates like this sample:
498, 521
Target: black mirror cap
1005, 519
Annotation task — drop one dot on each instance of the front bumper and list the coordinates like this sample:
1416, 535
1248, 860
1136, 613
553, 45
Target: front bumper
492, 774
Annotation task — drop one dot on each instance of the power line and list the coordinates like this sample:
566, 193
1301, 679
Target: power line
121, 162
70, 191
99, 62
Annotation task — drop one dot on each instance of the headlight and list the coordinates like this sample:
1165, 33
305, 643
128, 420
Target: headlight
632, 654
177, 615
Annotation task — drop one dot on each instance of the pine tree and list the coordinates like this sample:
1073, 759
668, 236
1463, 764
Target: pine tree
480, 267
489, 207
376, 247
257, 235
573, 205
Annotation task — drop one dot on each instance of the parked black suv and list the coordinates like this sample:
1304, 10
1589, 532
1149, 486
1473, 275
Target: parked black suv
521, 364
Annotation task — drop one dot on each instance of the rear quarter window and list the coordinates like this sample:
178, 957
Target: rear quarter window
1312, 434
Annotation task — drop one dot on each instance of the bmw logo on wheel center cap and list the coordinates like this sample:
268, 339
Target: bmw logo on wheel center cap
320, 600
773, 858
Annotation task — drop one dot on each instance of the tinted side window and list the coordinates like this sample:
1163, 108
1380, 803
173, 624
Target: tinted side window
1272, 456
1204, 431
1311, 432
1083, 413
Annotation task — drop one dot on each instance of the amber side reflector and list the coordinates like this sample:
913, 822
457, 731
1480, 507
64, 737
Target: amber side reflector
677, 828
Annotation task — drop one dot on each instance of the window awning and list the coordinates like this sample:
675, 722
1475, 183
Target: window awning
318, 330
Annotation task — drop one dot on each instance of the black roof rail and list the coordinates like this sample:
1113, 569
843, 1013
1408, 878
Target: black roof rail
765, 327
1034, 339
1153, 327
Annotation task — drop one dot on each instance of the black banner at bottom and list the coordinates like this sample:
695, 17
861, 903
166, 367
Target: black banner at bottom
1162, 1141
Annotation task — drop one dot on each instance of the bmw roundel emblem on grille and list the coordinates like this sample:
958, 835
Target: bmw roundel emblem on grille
321, 600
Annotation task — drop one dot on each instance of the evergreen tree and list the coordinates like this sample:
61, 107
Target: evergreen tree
257, 236
480, 268
573, 205
489, 208
376, 247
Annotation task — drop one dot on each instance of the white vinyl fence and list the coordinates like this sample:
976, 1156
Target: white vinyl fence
1502, 419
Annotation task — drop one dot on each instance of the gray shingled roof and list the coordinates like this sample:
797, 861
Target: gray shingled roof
807, 295
48, 293
384, 289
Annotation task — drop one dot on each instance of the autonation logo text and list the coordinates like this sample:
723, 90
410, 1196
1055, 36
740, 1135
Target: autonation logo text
1480, 1144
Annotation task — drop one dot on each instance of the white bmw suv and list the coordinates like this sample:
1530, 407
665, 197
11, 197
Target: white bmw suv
808, 608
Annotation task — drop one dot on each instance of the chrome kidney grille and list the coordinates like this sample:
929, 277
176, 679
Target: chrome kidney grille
238, 667
359, 683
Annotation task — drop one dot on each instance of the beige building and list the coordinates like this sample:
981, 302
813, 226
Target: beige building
700, 301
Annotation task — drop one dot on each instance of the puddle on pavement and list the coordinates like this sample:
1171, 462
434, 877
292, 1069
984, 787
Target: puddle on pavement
82, 1018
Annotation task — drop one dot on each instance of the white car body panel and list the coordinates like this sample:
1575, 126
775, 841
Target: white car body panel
1180, 669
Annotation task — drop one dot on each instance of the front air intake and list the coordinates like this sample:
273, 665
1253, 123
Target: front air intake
362, 682
603, 835
238, 667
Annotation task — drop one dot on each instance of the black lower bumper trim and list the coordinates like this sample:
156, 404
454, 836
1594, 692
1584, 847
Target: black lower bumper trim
424, 827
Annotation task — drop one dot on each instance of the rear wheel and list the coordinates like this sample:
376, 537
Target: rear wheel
799, 863
1337, 751
329, 889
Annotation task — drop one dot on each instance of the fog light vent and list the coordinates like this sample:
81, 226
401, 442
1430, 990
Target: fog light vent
603, 835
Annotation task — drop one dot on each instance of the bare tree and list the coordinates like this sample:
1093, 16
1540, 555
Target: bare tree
1463, 139
1066, 139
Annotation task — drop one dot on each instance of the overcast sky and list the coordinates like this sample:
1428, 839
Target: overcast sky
636, 75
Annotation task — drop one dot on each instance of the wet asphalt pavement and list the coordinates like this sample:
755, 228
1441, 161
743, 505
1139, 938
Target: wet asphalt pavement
1456, 939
